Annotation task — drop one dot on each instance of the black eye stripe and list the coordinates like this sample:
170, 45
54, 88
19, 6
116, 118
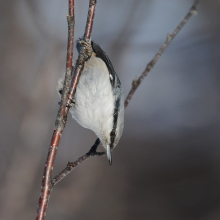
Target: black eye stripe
115, 119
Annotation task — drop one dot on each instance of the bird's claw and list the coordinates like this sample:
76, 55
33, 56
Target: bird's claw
88, 47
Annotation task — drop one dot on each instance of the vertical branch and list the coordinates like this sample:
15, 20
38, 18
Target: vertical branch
83, 52
65, 101
62, 115
60, 120
90, 18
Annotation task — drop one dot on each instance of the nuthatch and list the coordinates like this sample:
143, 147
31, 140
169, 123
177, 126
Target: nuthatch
98, 103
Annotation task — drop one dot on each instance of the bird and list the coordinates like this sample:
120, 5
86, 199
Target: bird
98, 103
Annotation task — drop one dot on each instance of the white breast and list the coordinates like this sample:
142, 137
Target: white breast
94, 102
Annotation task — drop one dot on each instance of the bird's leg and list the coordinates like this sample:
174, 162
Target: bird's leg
73, 101
88, 47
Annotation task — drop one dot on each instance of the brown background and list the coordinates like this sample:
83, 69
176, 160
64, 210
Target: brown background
166, 165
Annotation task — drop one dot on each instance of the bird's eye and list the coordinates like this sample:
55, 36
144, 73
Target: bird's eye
60, 91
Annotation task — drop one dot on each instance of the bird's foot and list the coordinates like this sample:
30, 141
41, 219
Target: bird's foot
87, 48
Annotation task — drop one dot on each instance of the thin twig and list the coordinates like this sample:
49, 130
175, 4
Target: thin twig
72, 165
83, 55
170, 37
60, 120
67, 94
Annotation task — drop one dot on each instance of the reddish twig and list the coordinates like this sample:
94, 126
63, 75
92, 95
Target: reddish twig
89, 24
83, 55
65, 101
72, 165
170, 37
60, 120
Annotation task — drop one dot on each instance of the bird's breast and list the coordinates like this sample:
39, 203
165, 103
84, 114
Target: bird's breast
94, 100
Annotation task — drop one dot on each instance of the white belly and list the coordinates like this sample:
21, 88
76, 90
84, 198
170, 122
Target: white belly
94, 102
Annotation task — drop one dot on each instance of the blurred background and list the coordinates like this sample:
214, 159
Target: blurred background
167, 164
